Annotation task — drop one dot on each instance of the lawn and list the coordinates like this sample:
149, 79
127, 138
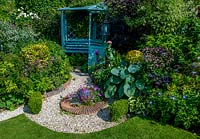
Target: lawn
21, 127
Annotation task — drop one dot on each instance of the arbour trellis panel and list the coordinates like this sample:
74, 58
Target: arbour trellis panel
94, 37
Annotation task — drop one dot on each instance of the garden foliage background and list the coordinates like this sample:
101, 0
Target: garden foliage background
153, 62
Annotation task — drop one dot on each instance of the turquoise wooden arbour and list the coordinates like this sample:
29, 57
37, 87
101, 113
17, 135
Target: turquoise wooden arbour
94, 41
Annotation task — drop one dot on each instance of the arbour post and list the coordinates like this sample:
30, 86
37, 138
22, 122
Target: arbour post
63, 29
90, 55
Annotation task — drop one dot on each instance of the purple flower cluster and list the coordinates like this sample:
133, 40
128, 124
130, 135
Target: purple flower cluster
158, 57
96, 52
84, 94
89, 94
159, 81
97, 55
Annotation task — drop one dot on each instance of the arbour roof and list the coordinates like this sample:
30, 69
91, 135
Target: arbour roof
98, 7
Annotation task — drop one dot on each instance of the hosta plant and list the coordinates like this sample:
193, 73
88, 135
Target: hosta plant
124, 81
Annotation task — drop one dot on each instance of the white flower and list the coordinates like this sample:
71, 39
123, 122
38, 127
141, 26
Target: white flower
25, 15
198, 58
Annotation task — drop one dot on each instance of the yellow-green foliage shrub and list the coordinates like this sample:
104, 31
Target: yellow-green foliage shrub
35, 102
134, 56
36, 54
118, 109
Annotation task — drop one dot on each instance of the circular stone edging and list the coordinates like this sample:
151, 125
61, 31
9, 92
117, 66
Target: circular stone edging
65, 105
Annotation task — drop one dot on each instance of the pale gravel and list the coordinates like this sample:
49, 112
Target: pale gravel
53, 118
10, 114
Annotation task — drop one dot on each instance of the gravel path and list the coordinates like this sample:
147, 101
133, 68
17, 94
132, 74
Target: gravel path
53, 118
10, 114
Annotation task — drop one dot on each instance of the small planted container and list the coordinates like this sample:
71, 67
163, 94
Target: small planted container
86, 100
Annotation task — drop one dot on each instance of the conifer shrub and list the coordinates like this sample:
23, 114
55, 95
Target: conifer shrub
118, 109
35, 102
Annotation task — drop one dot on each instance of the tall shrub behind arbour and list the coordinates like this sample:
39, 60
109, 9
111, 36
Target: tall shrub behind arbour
48, 21
158, 16
7, 8
77, 3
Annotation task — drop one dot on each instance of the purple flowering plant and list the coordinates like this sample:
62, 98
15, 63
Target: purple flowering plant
97, 56
88, 95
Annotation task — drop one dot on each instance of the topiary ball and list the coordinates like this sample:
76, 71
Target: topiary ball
134, 56
118, 109
35, 102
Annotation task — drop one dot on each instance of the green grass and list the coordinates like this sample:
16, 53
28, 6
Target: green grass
21, 127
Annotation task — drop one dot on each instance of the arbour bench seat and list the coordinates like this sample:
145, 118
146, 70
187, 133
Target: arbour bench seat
82, 45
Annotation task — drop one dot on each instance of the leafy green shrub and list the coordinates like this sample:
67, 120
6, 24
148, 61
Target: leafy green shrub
179, 104
45, 65
100, 73
38, 67
48, 21
140, 18
13, 83
35, 102
122, 8
159, 16
190, 29
78, 3
178, 51
137, 105
78, 60
155, 16
12, 38
183, 48
118, 109
7, 8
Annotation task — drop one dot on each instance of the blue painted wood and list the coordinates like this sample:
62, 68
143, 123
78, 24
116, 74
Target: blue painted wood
94, 29
88, 45
94, 8
62, 31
